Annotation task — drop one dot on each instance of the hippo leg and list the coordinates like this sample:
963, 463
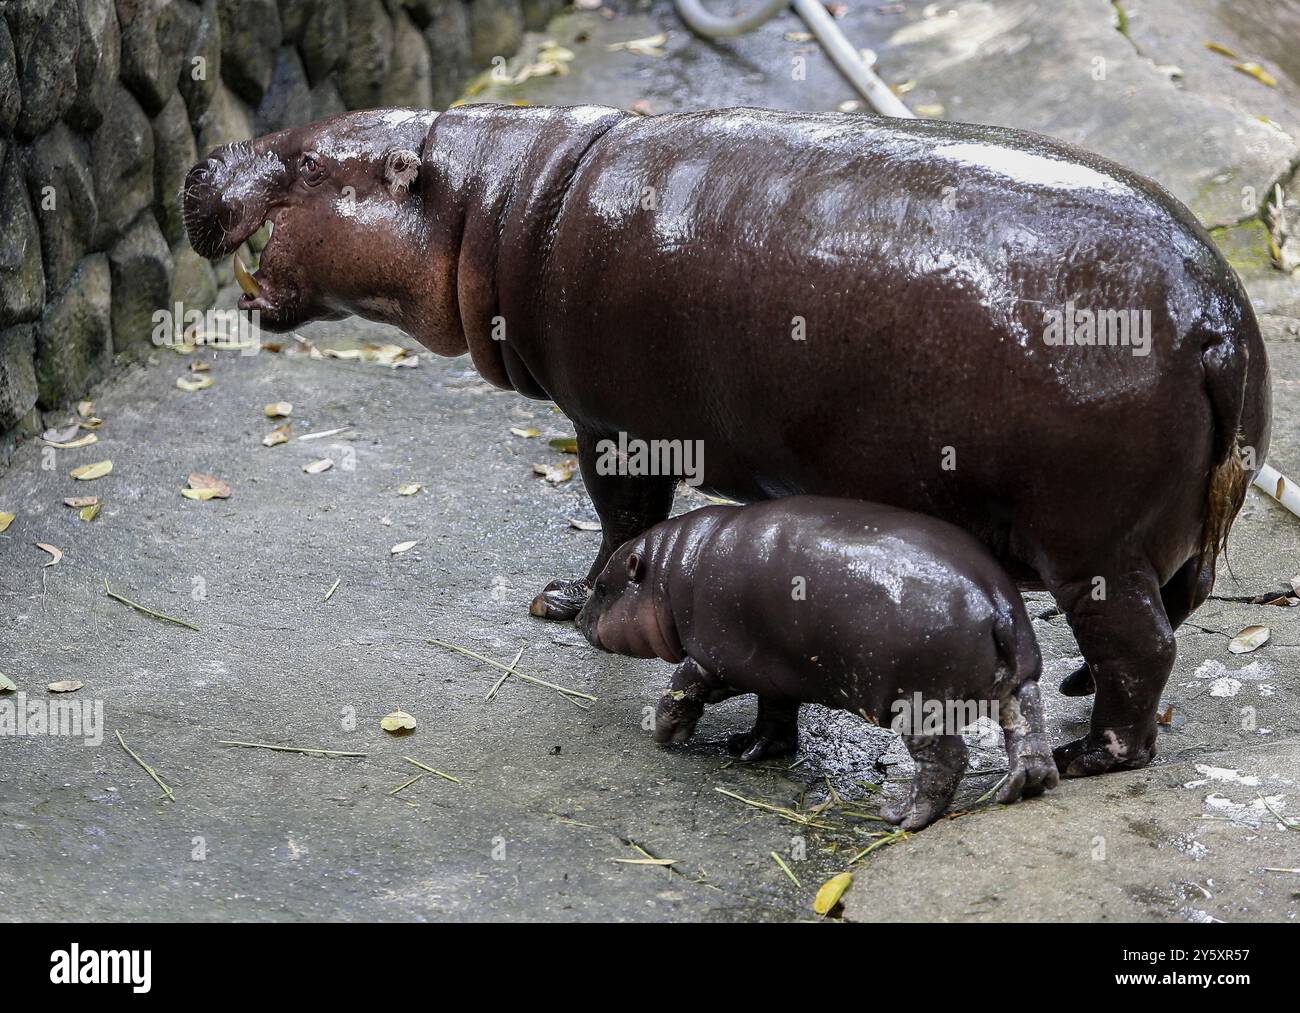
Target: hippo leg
683, 702
626, 505
1030, 767
775, 731
940, 763
1185, 592
1129, 646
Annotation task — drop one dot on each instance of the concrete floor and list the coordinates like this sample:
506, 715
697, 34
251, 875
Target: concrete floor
552, 796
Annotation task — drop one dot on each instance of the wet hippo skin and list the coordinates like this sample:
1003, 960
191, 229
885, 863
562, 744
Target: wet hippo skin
856, 606
832, 304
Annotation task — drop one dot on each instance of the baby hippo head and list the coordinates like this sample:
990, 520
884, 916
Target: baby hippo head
627, 611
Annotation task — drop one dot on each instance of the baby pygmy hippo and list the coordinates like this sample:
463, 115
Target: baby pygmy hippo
899, 617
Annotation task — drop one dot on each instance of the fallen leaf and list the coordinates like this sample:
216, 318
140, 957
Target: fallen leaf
401, 547
932, 112
5, 520
526, 434
202, 495
89, 513
1166, 717
198, 383
61, 435
85, 409
85, 441
316, 467
798, 36
564, 444
200, 366
1214, 47
1257, 72
831, 892
320, 436
556, 473
648, 46
410, 489
278, 435
398, 722
91, 423
1249, 639
584, 525
66, 686
89, 472
56, 554
1295, 583
77, 502
278, 410
209, 483
6, 684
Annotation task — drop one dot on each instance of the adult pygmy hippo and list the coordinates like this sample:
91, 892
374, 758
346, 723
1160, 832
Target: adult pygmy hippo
980, 324
902, 618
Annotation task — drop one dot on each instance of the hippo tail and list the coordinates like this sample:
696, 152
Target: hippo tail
1225, 360
1014, 637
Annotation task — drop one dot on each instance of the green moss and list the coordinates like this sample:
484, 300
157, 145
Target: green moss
1246, 245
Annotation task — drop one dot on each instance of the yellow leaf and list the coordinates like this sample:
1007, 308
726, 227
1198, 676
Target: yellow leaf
1257, 72
91, 423
209, 483
89, 513
86, 409
279, 410
401, 547
1214, 47
278, 435
85, 441
409, 489
831, 891
398, 722
88, 472
556, 473
316, 467
5, 520
7, 685
199, 494
66, 686
526, 434
584, 525
198, 383
564, 444
1249, 639
55, 554
77, 502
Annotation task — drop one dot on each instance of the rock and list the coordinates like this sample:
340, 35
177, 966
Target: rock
142, 269
495, 29
11, 98
22, 278
1245, 246
250, 37
538, 13
288, 99
369, 55
410, 82
62, 191
17, 374
44, 59
174, 153
226, 120
422, 12
122, 165
448, 38
194, 284
74, 342
156, 34
323, 40
201, 70
326, 101
98, 62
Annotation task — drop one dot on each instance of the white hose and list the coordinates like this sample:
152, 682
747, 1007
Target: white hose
1281, 488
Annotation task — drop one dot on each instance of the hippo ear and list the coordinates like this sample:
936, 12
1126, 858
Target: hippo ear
635, 568
400, 169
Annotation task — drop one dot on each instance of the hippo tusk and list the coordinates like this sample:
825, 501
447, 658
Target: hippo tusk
246, 281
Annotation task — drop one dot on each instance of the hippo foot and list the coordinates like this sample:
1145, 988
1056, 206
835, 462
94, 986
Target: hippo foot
1079, 682
1127, 748
940, 763
1031, 769
775, 733
676, 716
560, 600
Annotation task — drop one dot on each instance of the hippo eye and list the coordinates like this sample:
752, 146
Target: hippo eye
310, 170
600, 587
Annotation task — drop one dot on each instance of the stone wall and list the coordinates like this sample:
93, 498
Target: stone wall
104, 104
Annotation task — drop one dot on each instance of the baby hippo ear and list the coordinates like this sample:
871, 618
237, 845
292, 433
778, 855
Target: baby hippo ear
635, 568
400, 169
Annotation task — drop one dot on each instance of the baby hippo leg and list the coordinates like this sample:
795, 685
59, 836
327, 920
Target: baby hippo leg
1030, 767
775, 731
683, 702
940, 763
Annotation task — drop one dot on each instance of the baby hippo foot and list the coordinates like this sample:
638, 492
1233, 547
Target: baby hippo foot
775, 732
940, 763
1030, 767
561, 600
1100, 752
1079, 682
679, 709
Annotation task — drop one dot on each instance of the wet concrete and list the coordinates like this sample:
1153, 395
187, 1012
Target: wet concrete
552, 795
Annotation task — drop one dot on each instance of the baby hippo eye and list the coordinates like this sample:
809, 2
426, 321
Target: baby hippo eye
601, 587
310, 169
